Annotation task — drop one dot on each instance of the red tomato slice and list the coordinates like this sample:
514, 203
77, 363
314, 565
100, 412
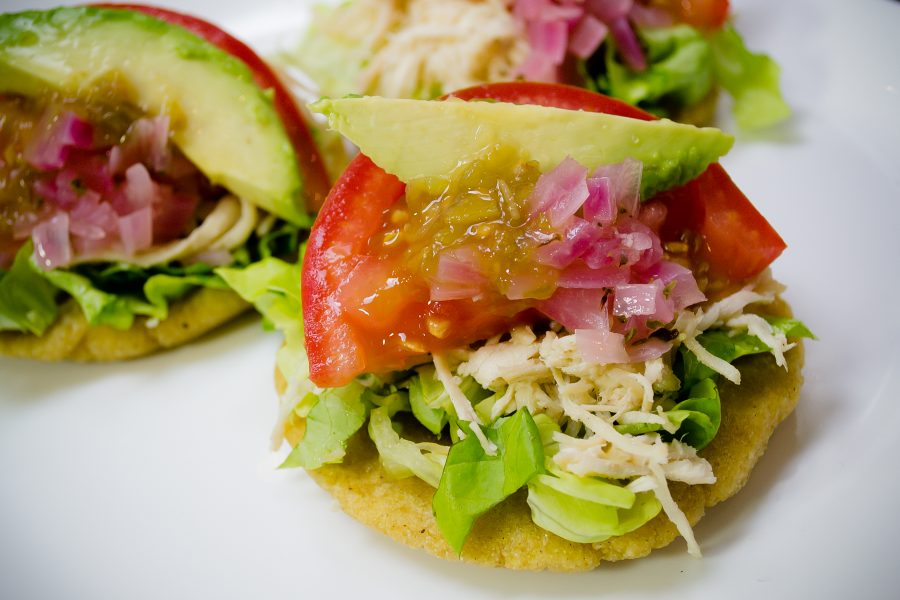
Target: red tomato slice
315, 178
710, 14
362, 314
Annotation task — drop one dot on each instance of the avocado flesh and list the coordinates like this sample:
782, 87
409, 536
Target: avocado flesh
419, 138
223, 122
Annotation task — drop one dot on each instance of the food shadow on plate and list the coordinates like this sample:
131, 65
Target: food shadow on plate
27, 381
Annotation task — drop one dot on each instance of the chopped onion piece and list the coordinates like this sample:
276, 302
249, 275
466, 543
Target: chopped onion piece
51, 242
136, 230
609, 10
576, 309
600, 205
627, 44
55, 138
601, 347
587, 36
560, 192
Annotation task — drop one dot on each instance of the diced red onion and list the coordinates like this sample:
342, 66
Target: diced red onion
92, 220
635, 299
650, 349
458, 276
644, 300
640, 245
140, 189
559, 192
587, 36
581, 276
601, 347
649, 16
576, 309
549, 39
685, 291
580, 238
605, 252
538, 67
147, 141
55, 137
627, 44
136, 230
599, 206
51, 242
546, 10
625, 184
608, 10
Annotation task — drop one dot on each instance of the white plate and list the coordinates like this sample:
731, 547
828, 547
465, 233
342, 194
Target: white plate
152, 479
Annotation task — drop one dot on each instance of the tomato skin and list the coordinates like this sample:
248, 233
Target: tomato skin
350, 216
707, 14
552, 94
315, 178
342, 344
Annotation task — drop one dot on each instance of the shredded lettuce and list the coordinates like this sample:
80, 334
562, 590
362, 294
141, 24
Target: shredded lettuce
679, 71
27, 299
430, 402
751, 79
332, 421
730, 346
697, 417
401, 457
587, 510
473, 482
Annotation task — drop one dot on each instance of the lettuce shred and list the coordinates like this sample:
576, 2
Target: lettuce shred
114, 294
683, 66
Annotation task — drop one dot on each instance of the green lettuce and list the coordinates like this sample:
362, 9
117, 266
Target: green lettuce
430, 402
336, 416
587, 510
730, 346
679, 71
27, 299
698, 417
751, 79
473, 481
401, 457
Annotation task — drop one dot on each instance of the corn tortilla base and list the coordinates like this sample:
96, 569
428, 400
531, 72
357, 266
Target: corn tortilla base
507, 537
72, 338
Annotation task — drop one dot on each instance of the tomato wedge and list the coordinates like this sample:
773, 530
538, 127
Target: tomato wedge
362, 314
710, 14
315, 178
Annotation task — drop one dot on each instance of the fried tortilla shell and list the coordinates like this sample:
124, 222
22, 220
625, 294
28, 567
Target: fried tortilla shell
72, 338
506, 535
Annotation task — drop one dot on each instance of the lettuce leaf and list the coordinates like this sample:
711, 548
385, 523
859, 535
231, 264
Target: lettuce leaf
579, 508
401, 457
728, 347
698, 417
27, 299
332, 421
679, 71
473, 482
751, 79
430, 402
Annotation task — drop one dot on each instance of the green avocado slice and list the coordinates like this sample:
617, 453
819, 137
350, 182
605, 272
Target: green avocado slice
421, 138
221, 120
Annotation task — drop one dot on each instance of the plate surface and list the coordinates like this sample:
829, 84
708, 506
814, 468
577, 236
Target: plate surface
153, 479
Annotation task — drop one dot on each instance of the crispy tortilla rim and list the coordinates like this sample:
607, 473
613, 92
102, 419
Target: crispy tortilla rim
506, 535
72, 338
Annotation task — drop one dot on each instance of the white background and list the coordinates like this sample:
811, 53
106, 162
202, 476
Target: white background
153, 479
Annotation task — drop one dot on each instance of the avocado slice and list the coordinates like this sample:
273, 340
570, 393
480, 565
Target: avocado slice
422, 138
221, 120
